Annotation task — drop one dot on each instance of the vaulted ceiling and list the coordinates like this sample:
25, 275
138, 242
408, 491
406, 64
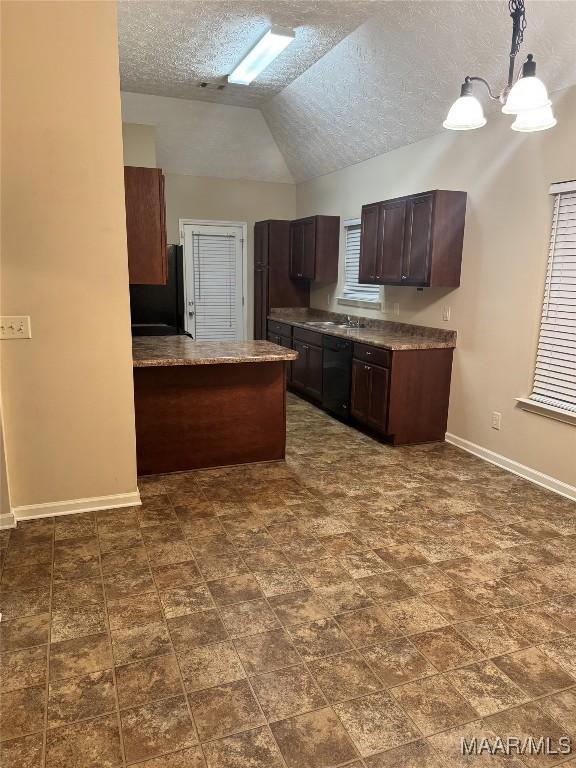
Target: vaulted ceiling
361, 77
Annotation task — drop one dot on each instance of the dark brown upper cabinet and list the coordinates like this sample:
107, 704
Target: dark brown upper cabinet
314, 248
414, 240
145, 225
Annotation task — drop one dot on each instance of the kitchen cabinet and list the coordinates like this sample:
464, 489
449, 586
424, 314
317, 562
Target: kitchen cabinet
273, 286
414, 240
307, 369
145, 225
382, 242
283, 341
314, 244
369, 403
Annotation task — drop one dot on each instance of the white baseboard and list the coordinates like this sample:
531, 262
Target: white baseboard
7, 520
75, 506
539, 478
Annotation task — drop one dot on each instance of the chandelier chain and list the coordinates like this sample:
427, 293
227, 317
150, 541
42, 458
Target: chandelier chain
518, 14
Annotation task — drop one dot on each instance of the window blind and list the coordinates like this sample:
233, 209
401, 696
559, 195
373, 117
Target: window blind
352, 288
555, 373
215, 286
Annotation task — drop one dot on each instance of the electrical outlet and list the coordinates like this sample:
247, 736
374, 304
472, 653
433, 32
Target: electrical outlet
396, 308
445, 313
496, 420
15, 327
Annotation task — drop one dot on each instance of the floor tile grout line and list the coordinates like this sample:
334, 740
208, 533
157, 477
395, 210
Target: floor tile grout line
110, 646
44, 757
176, 658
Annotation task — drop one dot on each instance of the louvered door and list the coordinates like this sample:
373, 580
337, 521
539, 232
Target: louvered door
213, 282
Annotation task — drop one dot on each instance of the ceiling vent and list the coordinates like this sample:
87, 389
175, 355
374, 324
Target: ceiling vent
207, 86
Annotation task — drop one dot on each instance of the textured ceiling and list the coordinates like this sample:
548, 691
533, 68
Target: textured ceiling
399, 72
167, 48
362, 78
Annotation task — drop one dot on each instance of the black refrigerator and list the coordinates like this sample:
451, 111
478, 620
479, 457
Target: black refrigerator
158, 310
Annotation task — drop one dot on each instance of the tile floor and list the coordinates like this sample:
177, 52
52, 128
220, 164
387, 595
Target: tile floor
358, 606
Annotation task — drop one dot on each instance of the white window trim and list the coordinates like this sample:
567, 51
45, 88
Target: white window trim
346, 301
527, 403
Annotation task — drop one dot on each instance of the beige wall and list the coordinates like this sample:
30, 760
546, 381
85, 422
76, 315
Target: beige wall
139, 145
193, 197
496, 310
67, 392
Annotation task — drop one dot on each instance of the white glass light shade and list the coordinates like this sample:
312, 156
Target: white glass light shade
534, 120
526, 93
264, 52
465, 114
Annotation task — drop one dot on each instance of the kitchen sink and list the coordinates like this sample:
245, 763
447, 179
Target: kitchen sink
321, 323
330, 324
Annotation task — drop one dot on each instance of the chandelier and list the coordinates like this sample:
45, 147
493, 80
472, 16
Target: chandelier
527, 98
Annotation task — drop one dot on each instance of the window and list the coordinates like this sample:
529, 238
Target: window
354, 293
555, 373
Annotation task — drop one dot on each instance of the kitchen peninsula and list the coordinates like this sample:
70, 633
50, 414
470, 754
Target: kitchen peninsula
208, 404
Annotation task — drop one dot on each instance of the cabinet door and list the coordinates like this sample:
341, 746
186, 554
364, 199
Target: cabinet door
314, 372
145, 225
378, 405
391, 242
369, 243
308, 228
360, 399
300, 366
418, 240
284, 341
261, 240
296, 250
260, 301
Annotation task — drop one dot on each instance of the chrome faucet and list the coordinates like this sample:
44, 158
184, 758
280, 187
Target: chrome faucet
350, 323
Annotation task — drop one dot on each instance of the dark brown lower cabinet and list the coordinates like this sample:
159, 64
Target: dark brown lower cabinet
406, 402
283, 341
370, 385
307, 369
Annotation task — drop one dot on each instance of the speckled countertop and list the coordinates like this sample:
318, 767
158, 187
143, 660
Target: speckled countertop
378, 333
148, 351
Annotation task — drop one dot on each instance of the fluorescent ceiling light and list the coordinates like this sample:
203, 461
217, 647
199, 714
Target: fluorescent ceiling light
263, 54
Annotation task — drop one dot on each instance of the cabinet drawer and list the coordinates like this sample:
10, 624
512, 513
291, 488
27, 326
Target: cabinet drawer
282, 329
376, 355
308, 337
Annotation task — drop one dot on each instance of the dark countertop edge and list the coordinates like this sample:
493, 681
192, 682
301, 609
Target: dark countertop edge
426, 343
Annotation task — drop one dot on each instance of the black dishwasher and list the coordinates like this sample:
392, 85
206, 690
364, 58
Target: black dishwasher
336, 374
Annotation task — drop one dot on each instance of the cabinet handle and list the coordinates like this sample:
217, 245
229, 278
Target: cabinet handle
368, 353
366, 367
404, 277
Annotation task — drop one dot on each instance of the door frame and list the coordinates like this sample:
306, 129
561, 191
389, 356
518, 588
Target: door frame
216, 223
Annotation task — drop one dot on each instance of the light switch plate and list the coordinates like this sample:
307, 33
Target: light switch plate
446, 313
15, 327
